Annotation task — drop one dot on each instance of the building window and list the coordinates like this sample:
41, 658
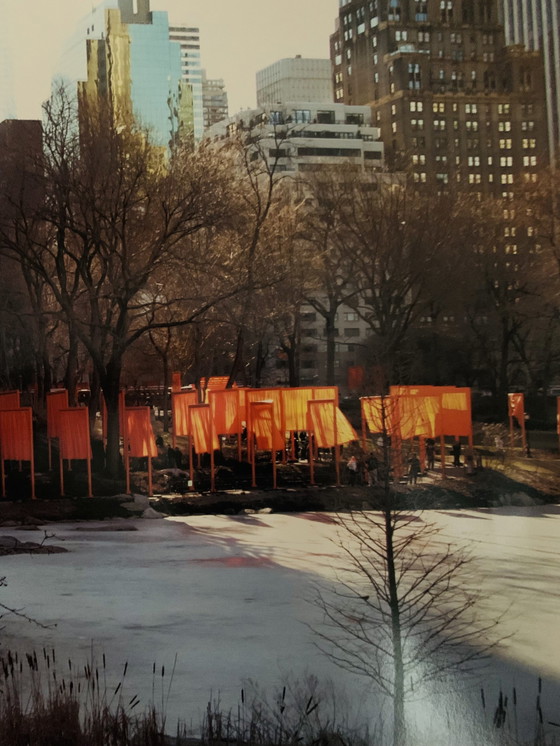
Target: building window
352, 332
325, 117
302, 116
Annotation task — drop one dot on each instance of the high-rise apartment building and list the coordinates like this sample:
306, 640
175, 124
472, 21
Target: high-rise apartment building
214, 100
295, 79
453, 102
122, 51
188, 39
536, 25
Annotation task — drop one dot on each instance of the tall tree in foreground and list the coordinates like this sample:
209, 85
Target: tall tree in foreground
404, 611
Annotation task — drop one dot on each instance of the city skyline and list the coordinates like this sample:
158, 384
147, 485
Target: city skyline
236, 41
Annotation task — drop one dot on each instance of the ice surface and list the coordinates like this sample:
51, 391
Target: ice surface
229, 597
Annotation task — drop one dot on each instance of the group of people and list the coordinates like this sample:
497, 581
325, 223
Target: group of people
367, 469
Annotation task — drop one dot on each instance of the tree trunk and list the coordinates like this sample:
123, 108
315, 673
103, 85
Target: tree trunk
399, 731
166, 385
111, 388
71, 374
330, 335
238, 360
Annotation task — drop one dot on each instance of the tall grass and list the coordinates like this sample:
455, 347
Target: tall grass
49, 702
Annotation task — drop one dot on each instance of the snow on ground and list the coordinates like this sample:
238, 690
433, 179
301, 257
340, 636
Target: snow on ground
229, 597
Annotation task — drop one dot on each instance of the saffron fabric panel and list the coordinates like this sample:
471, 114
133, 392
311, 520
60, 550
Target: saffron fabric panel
180, 405
272, 395
262, 424
328, 424
516, 406
176, 382
16, 434
73, 433
9, 400
355, 377
379, 413
203, 438
225, 411
139, 433
56, 400
294, 404
456, 417
325, 392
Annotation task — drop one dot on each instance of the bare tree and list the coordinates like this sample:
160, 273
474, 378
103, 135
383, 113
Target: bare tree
404, 611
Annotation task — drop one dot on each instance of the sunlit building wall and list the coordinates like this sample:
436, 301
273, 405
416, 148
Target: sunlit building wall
295, 79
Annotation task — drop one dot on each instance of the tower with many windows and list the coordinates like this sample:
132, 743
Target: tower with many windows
536, 24
453, 102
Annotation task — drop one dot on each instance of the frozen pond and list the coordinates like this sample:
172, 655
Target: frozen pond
229, 597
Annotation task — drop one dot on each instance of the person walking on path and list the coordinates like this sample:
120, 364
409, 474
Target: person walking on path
430, 453
413, 469
352, 469
456, 451
372, 465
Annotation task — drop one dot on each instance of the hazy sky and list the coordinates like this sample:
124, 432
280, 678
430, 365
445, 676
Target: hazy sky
238, 37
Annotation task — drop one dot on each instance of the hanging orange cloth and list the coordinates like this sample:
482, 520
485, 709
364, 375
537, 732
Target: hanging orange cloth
328, 424
16, 434
516, 407
56, 400
214, 383
273, 395
225, 411
73, 433
456, 415
262, 424
355, 377
200, 427
9, 400
379, 413
180, 405
325, 392
139, 433
294, 404
176, 382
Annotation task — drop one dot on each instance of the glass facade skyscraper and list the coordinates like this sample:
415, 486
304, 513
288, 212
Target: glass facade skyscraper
123, 51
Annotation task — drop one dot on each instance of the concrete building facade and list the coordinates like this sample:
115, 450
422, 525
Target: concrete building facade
295, 79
